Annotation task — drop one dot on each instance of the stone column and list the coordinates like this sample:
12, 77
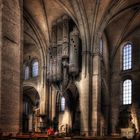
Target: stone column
83, 87
84, 102
10, 66
0, 52
115, 103
96, 95
54, 92
21, 61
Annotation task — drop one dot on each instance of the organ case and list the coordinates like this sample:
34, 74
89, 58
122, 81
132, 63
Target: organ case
54, 52
74, 52
59, 49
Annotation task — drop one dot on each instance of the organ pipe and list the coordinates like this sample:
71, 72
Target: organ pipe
65, 53
54, 52
48, 65
59, 49
51, 63
74, 52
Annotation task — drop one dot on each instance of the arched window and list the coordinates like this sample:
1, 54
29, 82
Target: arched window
127, 92
26, 73
62, 104
101, 46
34, 68
127, 57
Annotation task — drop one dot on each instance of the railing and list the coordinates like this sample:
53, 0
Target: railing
38, 136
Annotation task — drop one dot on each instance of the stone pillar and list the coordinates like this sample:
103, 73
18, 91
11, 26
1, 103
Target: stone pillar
47, 98
54, 92
10, 66
21, 61
0, 53
115, 103
50, 101
83, 87
96, 95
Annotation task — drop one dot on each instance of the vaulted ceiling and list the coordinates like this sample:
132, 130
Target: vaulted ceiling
116, 17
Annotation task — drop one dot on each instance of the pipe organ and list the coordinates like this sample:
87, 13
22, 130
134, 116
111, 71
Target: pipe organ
54, 53
74, 50
59, 49
63, 54
49, 65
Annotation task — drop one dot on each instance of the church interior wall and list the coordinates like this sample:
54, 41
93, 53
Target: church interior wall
73, 67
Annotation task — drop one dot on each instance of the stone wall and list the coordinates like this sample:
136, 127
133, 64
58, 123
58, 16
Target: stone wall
0, 54
10, 66
34, 48
117, 79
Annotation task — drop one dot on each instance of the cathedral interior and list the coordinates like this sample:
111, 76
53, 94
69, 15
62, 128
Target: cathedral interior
72, 65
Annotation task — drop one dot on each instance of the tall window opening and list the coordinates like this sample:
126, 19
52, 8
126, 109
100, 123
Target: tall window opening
62, 104
26, 73
35, 68
127, 92
127, 57
101, 46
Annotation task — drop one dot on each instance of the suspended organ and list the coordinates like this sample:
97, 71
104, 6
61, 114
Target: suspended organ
74, 51
63, 54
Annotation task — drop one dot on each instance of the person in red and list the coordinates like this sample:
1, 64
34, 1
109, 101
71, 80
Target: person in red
50, 131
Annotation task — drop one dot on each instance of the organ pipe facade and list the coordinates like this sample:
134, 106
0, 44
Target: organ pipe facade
74, 51
63, 55
54, 52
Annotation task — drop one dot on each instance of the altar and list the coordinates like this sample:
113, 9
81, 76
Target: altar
127, 132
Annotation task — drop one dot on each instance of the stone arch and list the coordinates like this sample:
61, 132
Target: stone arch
72, 110
31, 103
38, 39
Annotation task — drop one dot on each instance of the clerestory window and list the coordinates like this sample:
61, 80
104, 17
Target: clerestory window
34, 68
127, 57
101, 46
26, 73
